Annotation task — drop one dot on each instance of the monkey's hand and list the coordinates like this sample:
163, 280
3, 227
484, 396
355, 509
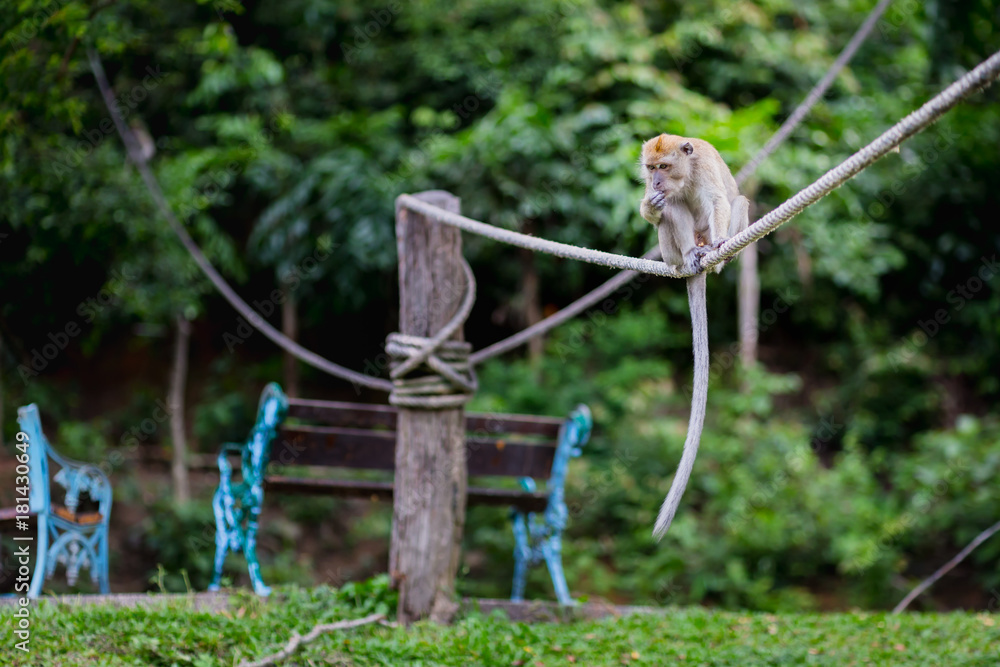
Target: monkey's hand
651, 207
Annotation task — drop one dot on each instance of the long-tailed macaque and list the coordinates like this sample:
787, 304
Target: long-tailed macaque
693, 201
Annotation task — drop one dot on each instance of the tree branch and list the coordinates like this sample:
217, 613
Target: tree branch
298, 640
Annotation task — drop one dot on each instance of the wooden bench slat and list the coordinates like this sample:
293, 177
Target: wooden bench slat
525, 424
528, 502
509, 459
334, 446
366, 416
338, 413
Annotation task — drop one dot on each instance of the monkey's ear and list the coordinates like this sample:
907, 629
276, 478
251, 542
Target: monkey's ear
687, 148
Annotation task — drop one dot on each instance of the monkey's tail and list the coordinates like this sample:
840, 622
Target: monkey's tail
699, 399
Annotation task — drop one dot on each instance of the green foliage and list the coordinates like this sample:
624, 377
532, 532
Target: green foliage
178, 543
223, 418
774, 505
85, 441
247, 628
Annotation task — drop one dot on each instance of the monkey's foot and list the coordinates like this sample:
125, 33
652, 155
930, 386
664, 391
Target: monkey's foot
694, 257
723, 263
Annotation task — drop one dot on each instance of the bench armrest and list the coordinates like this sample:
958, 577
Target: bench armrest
225, 469
79, 478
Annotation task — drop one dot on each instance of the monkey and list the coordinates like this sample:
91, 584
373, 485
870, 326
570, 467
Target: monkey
693, 201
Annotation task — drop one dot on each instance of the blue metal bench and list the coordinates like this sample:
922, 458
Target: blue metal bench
362, 436
76, 539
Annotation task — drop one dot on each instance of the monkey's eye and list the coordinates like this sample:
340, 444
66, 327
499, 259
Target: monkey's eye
663, 166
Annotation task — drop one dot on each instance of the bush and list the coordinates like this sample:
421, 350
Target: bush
776, 507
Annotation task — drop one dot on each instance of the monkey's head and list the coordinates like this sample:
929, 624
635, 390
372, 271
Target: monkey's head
665, 163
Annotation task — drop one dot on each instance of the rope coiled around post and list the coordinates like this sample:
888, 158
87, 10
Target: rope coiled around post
451, 380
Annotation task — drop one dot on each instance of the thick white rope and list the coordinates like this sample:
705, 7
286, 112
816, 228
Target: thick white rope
609, 287
455, 381
241, 306
915, 122
535, 243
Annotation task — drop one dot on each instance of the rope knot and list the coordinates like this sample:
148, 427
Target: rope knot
434, 373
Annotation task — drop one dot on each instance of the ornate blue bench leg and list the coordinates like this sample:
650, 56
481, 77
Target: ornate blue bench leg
251, 550
102, 572
237, 506
41, 559
522, 554
552, 551
221, 540
538, 540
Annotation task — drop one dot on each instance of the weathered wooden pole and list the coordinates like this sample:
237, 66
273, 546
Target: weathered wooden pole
430, 485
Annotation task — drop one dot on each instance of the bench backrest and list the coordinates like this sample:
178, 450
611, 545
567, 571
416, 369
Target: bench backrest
363, 436
38, 460
76, 477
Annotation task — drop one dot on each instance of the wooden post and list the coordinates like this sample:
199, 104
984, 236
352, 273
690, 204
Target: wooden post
430, 485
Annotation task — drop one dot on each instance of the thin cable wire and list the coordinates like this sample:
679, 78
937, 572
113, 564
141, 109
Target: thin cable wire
610, 286
566, 313
255, 320
946, 568
815, 94
915, 122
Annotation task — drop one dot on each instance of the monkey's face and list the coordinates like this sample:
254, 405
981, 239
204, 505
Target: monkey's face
665, 163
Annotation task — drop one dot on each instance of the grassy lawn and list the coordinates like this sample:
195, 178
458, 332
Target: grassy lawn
172, 634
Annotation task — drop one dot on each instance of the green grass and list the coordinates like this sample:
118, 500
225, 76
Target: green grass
173, 634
